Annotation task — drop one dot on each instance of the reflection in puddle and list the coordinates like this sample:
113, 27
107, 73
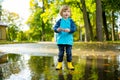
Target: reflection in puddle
26, 67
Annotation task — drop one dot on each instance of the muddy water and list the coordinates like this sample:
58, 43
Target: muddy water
87, 67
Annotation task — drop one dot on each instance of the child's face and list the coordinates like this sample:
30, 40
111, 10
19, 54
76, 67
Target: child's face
66, 13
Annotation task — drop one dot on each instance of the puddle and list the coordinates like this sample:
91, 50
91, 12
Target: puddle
90, 67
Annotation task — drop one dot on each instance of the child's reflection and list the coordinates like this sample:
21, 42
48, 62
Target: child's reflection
69, 76
61, 76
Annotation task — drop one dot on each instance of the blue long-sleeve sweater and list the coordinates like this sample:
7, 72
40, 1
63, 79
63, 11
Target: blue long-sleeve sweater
65, 37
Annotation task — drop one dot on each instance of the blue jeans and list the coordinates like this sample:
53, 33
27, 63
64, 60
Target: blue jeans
68, 49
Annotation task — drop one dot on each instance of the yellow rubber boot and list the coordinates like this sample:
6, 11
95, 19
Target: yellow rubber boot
70, 66
59, 66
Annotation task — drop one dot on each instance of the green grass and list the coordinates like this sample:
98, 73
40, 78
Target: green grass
102, 46
14, 42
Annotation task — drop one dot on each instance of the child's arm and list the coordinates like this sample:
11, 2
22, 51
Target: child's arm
56, 27
73, 27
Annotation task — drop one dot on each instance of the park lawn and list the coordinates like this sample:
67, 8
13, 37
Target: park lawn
98, 46
15, 42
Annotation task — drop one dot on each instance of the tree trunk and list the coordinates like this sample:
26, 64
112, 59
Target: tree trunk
113, 25
43, 25
90, 27
105, 25
99, 20
86, 24
0, 12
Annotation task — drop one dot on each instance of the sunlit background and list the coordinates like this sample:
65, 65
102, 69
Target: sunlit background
22, 8
18, 6
35, 19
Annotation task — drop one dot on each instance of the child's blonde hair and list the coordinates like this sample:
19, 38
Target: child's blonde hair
63, 8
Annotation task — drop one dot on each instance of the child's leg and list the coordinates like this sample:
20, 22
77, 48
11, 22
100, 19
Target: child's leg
61, 53
69, 53
60, 56
69, 56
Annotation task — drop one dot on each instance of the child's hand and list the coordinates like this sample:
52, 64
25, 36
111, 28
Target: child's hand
59, 29
67, 30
